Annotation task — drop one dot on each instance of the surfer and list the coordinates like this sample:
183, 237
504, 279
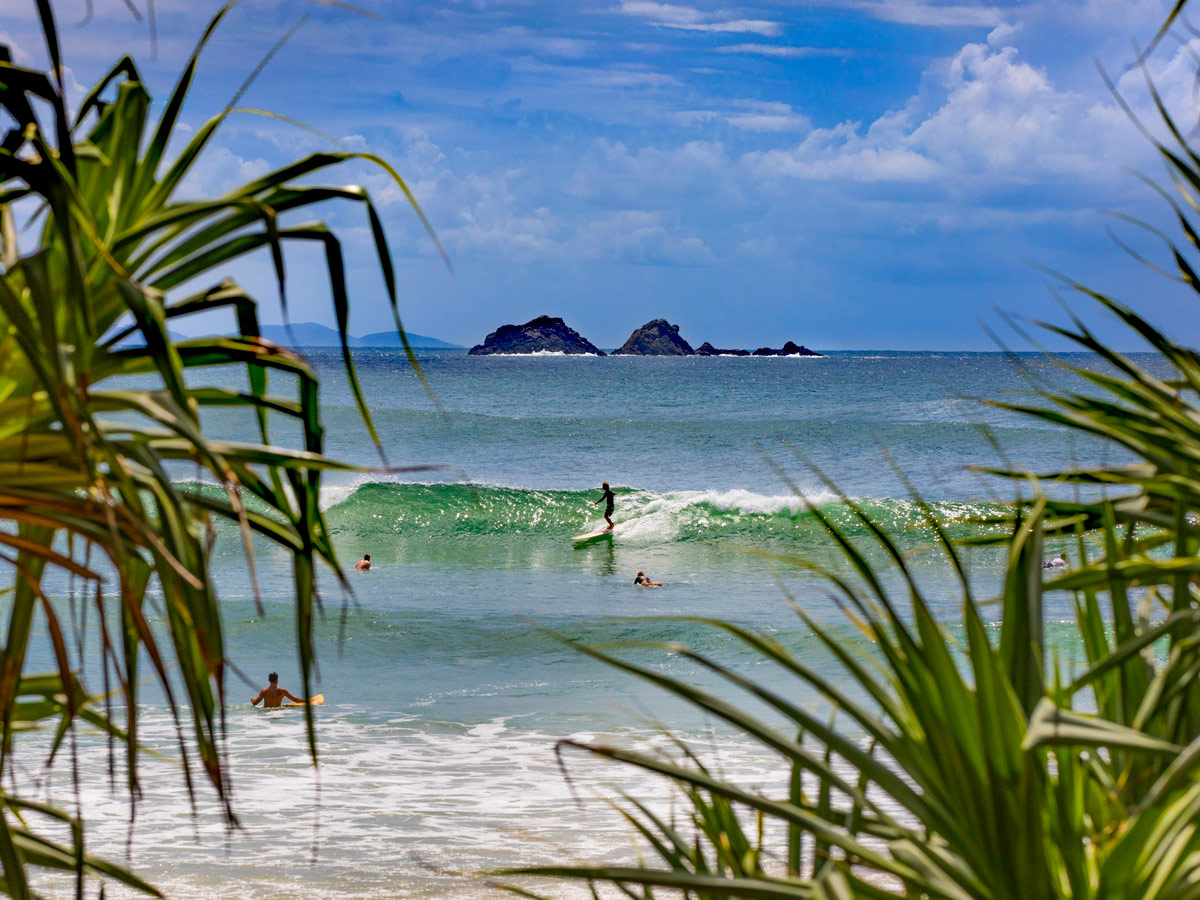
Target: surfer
363, 564
643, 581
272, 695
607, 497
1059, 562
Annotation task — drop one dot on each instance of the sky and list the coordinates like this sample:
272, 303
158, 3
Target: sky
847, 174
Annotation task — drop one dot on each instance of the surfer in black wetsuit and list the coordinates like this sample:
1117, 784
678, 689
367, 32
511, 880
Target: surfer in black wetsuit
607, 497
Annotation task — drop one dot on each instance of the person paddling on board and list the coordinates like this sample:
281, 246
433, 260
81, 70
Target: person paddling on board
1059, 562
272, 695
363, 564
607, 497
643, 581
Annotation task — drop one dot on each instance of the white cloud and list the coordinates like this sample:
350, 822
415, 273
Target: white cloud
921, 12
984, 113
497, 212
1002, 34
783, 51
610, 169
636, 236
767, 116
495, 226
765, 247
737, 26
842, 154
687, 118
218, 170
662, 13
19, 54
687, 18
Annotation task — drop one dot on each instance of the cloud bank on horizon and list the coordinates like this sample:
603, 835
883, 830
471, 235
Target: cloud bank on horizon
844, 173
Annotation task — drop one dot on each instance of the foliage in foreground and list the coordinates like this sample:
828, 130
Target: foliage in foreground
992, 778
86, 460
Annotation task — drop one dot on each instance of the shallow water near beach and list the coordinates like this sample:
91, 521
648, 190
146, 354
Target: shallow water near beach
446, 681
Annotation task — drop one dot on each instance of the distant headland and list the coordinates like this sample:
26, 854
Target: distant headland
658, 337
310, 334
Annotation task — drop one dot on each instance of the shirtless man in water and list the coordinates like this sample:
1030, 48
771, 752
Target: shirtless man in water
363, 564
272, 695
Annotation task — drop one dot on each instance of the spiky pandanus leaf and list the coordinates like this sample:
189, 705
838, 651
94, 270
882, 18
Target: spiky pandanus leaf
989, 774
86, 460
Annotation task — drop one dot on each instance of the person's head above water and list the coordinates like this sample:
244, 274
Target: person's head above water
367, 557
641, 574
273, 677
604, 485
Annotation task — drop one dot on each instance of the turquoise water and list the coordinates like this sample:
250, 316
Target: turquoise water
444, 694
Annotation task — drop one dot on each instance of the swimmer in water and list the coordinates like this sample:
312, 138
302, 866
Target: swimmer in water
1059, 562
607, 497
643, 581
363, 564
272, 695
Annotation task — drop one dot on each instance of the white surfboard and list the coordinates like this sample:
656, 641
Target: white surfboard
594, 535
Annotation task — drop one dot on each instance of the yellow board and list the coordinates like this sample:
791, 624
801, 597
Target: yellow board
315, 700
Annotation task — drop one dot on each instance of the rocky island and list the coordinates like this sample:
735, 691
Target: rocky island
707, 349
656, 338
541, 335
789, 349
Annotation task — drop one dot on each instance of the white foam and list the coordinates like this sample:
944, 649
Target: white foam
656, 517
749, 503
333, 494
391, 801
544, 353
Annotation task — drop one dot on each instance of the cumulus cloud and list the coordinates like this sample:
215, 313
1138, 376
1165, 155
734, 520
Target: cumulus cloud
611, 169
494, 225
219, 170
1002, 34
983, 120
505, 213
637, 236
687, 18
984, 112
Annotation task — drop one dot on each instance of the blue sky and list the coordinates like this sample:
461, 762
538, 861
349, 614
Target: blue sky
843, 173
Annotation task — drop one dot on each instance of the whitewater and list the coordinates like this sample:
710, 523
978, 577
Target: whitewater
446, 681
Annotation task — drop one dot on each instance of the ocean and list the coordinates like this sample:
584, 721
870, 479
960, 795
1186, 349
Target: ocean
447, 682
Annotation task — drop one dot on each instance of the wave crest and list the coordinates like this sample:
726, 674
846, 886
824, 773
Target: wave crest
438, 511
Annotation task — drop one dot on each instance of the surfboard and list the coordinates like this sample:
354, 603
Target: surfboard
596, 535
314, 700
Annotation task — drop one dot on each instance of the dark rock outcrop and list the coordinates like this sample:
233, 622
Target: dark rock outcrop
789, 349
541, 335
656, 338
707, 349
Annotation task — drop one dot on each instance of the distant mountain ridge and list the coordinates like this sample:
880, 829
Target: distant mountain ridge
310, 334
